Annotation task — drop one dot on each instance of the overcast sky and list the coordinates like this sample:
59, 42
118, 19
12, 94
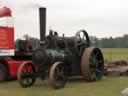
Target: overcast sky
102, 18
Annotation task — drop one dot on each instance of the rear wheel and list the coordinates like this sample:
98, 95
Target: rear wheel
3, 73
25, 75
92, 64
57, 75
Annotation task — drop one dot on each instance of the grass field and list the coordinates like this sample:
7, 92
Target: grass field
109, 86
115, 53
106, 87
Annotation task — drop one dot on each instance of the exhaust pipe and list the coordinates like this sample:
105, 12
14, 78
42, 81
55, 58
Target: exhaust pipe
42, 19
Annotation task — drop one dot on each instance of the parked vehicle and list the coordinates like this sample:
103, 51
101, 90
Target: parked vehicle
12, 54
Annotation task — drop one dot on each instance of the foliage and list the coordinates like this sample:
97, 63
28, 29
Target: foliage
118, 42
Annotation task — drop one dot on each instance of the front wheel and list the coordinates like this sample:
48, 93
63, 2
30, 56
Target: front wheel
57, 75
25, 74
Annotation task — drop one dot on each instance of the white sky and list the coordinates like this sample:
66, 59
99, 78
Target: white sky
101, 18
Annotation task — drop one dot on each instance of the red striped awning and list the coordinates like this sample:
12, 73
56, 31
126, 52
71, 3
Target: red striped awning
5, 12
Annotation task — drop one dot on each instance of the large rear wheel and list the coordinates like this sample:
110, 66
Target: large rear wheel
92, 64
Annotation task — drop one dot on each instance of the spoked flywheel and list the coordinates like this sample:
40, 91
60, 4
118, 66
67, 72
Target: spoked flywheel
92, 64
25, 74
57, 75
81, 41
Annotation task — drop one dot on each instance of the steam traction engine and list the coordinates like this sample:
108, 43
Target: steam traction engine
60, 57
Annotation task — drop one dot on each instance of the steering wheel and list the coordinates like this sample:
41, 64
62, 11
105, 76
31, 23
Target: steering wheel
81, 41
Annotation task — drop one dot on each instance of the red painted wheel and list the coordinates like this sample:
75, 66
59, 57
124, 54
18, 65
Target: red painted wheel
57, 75
26, 75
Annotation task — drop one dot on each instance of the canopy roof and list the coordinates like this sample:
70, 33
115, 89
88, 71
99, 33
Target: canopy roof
5, 12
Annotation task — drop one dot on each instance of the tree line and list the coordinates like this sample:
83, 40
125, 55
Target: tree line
118, 42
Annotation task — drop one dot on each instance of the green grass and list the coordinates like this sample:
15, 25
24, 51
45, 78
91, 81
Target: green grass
106, 87
115, 53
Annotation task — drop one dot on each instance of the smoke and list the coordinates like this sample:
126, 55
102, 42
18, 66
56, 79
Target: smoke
33, 5
18, 6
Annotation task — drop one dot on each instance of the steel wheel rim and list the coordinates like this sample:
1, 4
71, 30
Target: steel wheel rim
26, 76
57, 75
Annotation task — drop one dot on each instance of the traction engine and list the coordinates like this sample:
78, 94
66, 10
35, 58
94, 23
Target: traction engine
59, 57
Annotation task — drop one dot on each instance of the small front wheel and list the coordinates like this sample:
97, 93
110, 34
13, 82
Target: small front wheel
57, 75
25, 74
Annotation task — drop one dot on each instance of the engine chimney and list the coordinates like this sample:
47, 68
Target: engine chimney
42, 19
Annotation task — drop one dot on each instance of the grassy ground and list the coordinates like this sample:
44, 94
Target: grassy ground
106, 87
115, 53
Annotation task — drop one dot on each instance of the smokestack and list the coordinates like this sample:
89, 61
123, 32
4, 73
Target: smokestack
42, 19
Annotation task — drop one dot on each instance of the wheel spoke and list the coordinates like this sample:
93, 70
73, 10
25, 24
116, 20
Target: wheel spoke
98, 70
79, 37
83, 36
93, 60
27, 80
93, 76
60, 73
57, 70
57, 77
94, 66
97, 53
25, 67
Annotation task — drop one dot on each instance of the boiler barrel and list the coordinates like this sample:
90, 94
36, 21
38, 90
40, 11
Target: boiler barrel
48, 56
